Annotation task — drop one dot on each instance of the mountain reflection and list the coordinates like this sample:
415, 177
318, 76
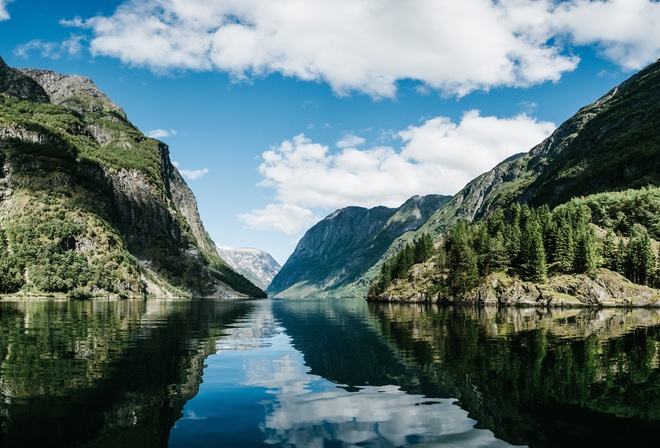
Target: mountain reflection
324, 373
338, 341
100, 373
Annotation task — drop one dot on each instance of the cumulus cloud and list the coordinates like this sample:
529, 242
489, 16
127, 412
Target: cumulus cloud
369, 45
4, 14
437, 157
286, 218
191, 174
350, 141
626, 31
71, 47
161, 133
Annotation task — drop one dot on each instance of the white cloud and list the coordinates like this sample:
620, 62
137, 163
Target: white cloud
369, 45
350, 141
437, 157
161, 133
289, 219
191, 174
626, 31
71, 48
4, 14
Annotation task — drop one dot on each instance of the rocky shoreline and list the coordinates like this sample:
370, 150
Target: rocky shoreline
608, 289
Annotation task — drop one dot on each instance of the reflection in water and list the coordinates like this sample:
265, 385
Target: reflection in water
324, 373
544, 378
308, 411
101, 373
298, 408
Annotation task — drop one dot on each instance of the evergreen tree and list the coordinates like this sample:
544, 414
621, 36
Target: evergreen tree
463, 272
483, 250
564, 246
423, 248
533, 250
498, 254
609, 251
586, 253
640, 260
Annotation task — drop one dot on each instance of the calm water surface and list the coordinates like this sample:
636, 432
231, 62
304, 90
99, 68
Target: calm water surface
324, 373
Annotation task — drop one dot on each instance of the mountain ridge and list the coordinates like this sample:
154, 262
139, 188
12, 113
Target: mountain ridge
621, 128
90, 205
332, 243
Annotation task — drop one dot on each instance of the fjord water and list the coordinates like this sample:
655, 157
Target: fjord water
324, 373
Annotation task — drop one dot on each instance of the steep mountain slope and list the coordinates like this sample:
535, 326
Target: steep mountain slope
89, 205
610, 145
332, 256
257, 266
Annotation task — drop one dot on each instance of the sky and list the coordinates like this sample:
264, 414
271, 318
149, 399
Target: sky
279, 112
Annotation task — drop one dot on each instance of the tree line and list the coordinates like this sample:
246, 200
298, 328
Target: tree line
528, 242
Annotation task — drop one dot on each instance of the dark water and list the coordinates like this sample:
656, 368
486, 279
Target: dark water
324, 373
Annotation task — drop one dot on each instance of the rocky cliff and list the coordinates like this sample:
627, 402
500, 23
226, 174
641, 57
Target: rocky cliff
334, 254
256, 265
91, 206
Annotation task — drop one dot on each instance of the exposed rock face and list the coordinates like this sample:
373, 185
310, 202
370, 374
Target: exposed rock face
73, 92
608, 289
336, 252
256, 265
15, 83
80, 158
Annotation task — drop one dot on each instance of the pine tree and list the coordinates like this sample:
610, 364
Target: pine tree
533, 251
586, 253
482, 246
609, 251
564, 246
639, 260
461, 259
498, 255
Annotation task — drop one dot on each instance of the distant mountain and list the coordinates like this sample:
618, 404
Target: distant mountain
334, 254
92, 207
257, 266
610, 145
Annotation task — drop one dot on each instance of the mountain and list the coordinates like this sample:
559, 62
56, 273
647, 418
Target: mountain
333, 255
89, 206
610, 145
257, 266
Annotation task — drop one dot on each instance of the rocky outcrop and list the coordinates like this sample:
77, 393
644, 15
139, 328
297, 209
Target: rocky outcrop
73, 92
15, 83
608, 289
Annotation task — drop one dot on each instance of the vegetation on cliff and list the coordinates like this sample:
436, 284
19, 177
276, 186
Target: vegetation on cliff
89, 206
579, 237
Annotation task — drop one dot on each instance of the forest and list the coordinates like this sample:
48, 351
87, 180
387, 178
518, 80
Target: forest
615, 231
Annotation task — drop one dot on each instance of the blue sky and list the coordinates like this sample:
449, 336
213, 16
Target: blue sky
278, 112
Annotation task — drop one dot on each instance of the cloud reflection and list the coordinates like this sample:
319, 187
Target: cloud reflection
309, 411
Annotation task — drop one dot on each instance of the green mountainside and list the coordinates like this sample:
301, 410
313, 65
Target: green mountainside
89, 206
610, 145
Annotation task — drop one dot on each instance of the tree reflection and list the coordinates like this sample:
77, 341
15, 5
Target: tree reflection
567, 378
100, 373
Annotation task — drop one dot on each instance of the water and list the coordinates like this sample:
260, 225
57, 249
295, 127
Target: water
324, 373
